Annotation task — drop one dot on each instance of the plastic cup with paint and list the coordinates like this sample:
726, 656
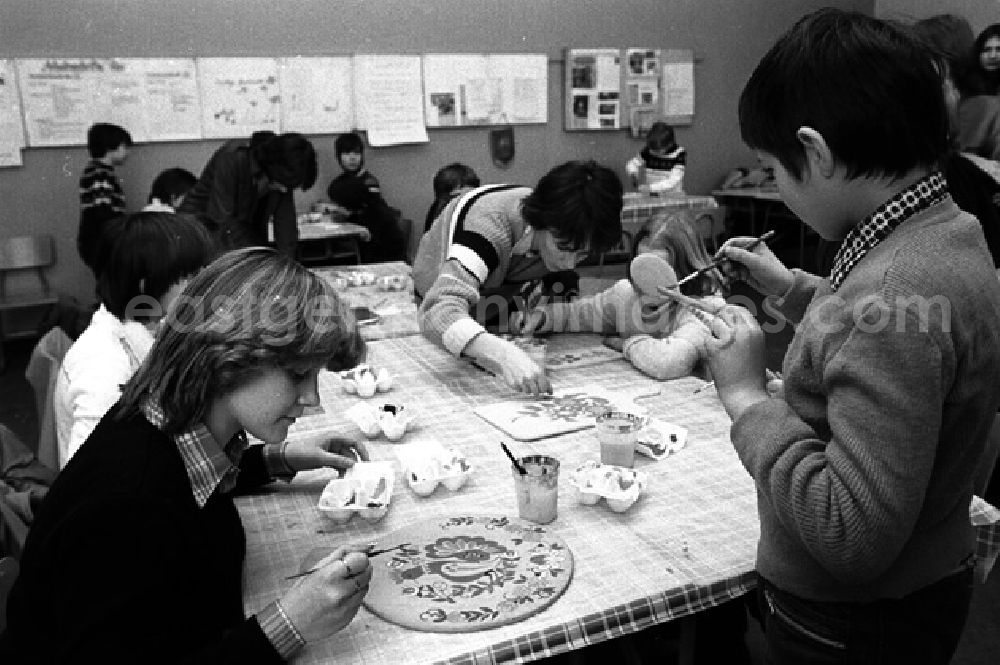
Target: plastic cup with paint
618, 431
537, 490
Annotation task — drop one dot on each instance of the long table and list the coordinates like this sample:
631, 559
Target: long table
396, 310
687, 544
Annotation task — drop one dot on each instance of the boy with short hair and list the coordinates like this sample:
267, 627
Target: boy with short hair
101, 195
866, 464
357, 191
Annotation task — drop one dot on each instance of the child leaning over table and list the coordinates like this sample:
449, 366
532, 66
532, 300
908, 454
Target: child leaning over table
866, 465
661, 337
664, 163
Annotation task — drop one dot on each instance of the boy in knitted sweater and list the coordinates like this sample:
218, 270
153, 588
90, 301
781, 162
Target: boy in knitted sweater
866, 464
659, 168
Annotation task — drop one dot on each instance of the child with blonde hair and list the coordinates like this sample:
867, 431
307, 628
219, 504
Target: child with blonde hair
661, 337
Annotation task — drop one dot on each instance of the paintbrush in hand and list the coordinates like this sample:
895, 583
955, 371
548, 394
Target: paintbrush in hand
714, 265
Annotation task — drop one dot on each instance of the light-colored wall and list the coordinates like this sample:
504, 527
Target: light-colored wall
980, 13
727, 36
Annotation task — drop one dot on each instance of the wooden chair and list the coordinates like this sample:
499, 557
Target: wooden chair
41, 373
22, 256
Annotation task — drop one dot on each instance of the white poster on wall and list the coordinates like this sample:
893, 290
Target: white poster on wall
11, 128
239, 96
155, 99
58, 98
593, 89
317, 95
388, 94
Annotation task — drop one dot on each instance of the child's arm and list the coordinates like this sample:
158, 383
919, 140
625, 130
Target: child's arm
664, 358
596, 313
632, 168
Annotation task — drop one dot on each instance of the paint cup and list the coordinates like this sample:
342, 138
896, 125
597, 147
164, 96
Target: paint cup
617, 431
537, 490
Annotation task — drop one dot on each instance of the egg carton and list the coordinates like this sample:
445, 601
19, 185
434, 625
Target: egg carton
392, 282
618, 486
365, 490
364, 380
427, 465
390, 419
358, 277
658, 439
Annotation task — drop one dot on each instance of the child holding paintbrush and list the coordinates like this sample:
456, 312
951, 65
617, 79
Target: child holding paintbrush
662, 337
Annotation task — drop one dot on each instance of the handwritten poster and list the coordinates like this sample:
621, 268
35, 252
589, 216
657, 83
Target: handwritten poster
57, 95
239, 96
479, 89
678, 86
388, 94
11, 129
154, 99
593, 81
317, 95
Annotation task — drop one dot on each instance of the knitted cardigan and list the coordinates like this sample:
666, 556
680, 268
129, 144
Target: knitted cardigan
866, 465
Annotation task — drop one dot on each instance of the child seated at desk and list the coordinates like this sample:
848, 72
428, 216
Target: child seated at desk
357, 191
664, 163
661, 337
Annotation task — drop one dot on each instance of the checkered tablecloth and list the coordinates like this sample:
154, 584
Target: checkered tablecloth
397, 310
638, 209
687, 544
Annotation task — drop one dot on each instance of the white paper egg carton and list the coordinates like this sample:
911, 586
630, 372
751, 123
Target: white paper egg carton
393, 420
658, 439
365, 490
618, 486
392, 282
359, 277
429, 464
364, 380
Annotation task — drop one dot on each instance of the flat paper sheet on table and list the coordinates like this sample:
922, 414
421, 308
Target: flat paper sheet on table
11, 129
239, 96
317, 94
466, 573
388, 94
527, 419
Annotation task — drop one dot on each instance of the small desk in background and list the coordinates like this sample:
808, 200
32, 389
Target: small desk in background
762, 206
322, 240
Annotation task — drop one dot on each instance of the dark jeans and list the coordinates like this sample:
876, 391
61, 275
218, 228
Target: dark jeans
923, 627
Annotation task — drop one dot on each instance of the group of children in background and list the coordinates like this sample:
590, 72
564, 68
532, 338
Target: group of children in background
864, 463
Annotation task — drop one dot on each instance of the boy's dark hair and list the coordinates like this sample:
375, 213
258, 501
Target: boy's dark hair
949, 38
170, 183
580, 203
454, 175
660, 136
144, 254
866, 86
289, 159
349, 142
103, 137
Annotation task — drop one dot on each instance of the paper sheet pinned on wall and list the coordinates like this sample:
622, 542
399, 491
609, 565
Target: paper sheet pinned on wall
389, 97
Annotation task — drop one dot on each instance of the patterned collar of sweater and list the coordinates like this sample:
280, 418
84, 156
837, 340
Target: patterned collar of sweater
877, 226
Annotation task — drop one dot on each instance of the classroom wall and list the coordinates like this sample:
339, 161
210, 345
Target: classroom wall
727, 37
980, 13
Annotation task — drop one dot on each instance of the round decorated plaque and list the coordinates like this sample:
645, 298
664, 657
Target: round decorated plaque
468, 573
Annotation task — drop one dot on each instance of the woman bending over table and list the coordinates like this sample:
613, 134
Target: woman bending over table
136, 555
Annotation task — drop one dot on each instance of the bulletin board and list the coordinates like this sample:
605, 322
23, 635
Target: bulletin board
53, 101
463, 90
612, 88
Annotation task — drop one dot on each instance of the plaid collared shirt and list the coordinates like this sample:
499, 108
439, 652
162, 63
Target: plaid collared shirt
876, 227
207, 465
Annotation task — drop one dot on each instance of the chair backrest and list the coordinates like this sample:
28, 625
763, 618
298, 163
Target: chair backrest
26, 252
41, 373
